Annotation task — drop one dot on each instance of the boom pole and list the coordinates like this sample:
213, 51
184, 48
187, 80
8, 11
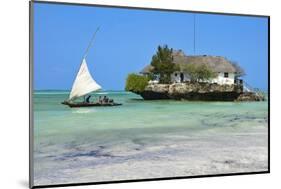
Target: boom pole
85, 55
91, 42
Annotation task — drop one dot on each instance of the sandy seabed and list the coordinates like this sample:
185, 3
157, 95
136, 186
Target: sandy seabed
173, 155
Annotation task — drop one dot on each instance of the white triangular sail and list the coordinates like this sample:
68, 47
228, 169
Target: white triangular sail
84, 83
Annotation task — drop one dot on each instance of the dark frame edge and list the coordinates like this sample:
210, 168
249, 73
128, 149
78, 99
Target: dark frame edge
145, 8
268, 90
31, 34
31, 50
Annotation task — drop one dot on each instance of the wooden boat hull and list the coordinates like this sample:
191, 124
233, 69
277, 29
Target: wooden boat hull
83, 104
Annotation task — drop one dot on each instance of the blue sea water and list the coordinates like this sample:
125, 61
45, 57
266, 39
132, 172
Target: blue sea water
145, 139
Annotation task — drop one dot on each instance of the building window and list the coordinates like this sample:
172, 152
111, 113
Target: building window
225, 74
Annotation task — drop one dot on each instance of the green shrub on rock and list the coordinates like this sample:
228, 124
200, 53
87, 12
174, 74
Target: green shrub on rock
136, 83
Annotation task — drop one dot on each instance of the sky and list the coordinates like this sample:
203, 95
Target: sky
128, 38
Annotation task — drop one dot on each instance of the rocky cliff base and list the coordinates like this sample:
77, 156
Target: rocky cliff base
249, 96
198, 91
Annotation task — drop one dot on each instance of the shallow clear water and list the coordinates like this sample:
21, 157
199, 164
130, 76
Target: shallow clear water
145, 139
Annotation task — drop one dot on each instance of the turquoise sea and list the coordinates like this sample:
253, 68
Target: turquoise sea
145, 139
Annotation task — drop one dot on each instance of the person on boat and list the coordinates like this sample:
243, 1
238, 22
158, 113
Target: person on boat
100, 100
104, 99
88, 99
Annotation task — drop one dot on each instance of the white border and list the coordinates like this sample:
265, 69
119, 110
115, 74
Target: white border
14, 93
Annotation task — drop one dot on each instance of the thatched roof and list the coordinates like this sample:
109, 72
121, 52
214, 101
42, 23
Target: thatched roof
216, 63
